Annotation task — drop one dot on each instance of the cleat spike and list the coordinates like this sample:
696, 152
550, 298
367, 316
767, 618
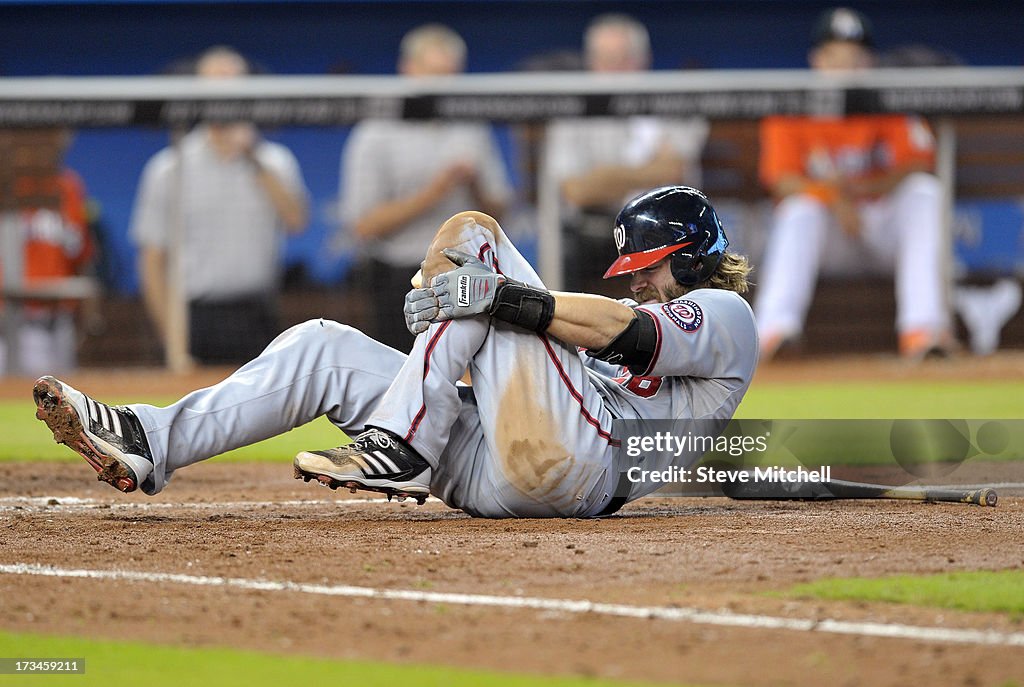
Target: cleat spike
114, 459
376, 461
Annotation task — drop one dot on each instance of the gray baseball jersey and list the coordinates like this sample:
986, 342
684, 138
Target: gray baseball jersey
703, 363
389, 159
533, 435
575, 146
232, 234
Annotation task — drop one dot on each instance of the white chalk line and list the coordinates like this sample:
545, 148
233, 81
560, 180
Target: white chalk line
10, 503
14, 503
691, 615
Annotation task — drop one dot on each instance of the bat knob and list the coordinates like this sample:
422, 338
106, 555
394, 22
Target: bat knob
989, 497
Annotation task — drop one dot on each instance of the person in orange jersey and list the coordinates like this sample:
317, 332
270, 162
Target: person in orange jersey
854, 193
44, 203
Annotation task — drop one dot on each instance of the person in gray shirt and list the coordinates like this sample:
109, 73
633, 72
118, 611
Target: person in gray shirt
598, 163
229, 194
402, 179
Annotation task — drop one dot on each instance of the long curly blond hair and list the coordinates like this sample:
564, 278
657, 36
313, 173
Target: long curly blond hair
730, 275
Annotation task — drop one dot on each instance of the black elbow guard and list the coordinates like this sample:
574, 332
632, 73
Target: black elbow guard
635, 345
522, 305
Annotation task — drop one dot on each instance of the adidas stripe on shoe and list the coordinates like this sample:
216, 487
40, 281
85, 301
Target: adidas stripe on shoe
375, 461
110, 438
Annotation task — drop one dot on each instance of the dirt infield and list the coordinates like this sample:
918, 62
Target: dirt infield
268, 563
253, 522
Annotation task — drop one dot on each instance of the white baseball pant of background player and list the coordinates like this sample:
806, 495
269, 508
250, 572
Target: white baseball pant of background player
903, 229
531, 439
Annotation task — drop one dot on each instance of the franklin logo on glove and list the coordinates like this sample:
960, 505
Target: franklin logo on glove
464, 299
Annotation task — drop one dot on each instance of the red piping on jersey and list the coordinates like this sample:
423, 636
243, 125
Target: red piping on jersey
431, 345
603, 433
657, 346
484, 250
414, 427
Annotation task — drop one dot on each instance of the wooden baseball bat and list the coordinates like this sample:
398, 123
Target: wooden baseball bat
842, 489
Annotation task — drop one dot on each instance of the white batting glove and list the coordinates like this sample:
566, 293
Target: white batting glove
467, 290
421, 308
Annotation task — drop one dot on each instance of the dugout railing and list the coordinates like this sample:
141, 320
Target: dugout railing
949, 97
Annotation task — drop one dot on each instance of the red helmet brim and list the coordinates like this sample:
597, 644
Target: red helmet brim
634, 262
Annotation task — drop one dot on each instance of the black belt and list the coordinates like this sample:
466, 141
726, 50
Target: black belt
622, 489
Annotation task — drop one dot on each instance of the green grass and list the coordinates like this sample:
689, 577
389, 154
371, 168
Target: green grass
111, 664
853, 444
22, 438
1001, 591
830, 400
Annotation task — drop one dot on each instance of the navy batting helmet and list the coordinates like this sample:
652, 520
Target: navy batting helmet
676, 221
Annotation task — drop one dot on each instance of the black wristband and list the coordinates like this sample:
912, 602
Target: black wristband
522, 305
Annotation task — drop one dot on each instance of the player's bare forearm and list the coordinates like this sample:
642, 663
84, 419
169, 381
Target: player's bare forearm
473, 288
588, 320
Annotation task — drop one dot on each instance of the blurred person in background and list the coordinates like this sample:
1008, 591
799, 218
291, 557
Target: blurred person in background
854, 193
400, 180
43, 206
600, 162
232, 194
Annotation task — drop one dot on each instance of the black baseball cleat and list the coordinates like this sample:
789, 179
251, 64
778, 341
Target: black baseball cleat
376, 460
111, 439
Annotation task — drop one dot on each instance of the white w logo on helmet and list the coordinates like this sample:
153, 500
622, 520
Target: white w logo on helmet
620, 236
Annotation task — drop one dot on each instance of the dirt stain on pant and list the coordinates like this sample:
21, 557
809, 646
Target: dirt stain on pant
526, 439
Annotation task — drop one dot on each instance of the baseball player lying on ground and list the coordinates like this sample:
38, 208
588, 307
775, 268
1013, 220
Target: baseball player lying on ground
532, 436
